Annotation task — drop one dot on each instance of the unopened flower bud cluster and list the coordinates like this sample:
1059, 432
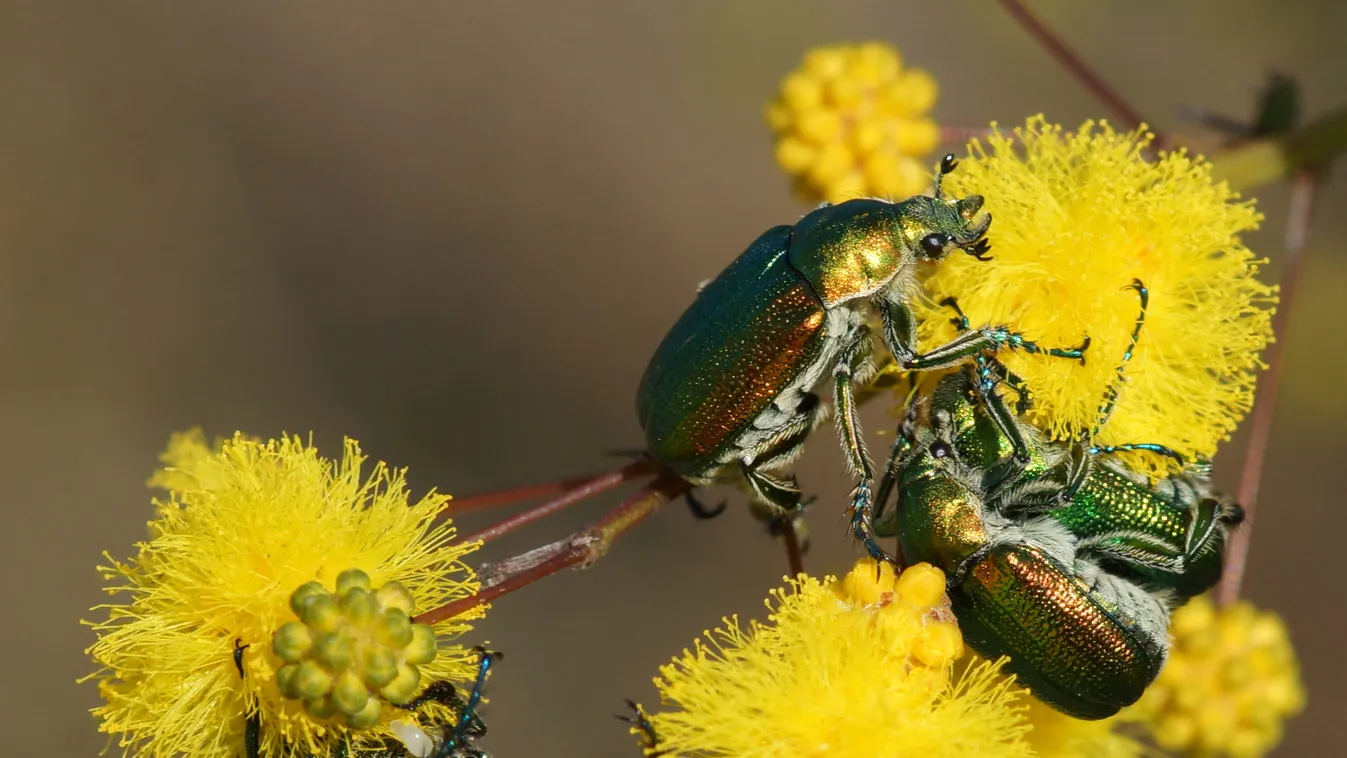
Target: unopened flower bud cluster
352, 650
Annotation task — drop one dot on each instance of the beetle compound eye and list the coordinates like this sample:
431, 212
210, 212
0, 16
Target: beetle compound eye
941, 449
934, 244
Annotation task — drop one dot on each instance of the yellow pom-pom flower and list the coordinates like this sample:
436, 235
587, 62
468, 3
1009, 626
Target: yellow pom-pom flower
305, 569
1053, 734
1230, 682
1078, 217
188, 461
851, 668
851, 122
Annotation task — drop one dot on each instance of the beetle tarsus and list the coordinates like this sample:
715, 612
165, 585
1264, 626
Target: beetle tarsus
699, 509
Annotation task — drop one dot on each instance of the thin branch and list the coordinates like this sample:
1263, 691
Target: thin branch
486, 500
1304, 192
962, 135
794, 554
1073, 63
580, 549
586, 489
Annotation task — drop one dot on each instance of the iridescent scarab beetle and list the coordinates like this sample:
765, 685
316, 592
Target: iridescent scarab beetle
1062, 558
728, 395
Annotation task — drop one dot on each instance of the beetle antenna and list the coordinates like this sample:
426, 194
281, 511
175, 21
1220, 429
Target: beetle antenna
947, 164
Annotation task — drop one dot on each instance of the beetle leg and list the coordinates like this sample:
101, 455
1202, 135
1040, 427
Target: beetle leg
904, 442
1134, 548
1148, 446
252, 723
782, 450
899, 335
779, 495
853, 444
699, 509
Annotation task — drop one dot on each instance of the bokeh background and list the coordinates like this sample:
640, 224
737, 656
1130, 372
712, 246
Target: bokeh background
456, 230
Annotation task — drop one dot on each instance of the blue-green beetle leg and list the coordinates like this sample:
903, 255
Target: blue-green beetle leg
1111, 393
456, 742
252, 725
987, 366
1147, 446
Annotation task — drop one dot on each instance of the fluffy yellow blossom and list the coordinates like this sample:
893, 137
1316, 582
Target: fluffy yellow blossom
859, 667
1053, 734
851, 122
1078, 217
1230, 681
249, 538
188, 461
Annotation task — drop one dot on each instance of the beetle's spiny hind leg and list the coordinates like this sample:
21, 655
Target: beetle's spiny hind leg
849, 426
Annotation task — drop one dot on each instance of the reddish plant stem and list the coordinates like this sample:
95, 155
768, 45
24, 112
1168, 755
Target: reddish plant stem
582, 489
1304, 189
1073, 63
962, 134
794, 555
485, 500
580, 549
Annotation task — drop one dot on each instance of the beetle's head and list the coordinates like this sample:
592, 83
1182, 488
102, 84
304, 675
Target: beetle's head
940, 223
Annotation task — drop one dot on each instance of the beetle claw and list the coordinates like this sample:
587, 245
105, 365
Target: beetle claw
699, 509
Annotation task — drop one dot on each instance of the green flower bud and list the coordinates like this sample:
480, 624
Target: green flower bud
311, 681
423, 648
285, 680
393, 629
368, 716
352, 578
300, 597
320, 707
335, 650
404, 685
395, 595
381, 666
359, 605
291, 642
321, 613
349, 694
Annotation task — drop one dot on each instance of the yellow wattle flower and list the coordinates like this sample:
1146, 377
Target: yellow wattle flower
1078, 217
851, 122
245, 526
1230, 682
1053, 734
189, 463
851, 668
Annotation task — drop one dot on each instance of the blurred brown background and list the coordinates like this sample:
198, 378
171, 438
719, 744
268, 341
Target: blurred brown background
456, 230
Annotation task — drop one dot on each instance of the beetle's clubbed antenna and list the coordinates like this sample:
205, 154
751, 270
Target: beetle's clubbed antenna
947, 165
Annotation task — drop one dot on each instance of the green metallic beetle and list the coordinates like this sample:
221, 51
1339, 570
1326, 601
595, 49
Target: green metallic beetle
1062, 559
728, 395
